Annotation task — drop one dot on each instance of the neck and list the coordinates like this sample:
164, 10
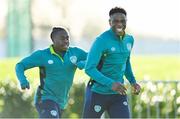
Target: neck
58, 50
122, 33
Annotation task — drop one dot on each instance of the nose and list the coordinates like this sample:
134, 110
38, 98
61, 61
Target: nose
66, 40
118, 23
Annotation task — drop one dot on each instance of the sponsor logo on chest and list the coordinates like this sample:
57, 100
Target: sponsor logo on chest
113, 49
50, 61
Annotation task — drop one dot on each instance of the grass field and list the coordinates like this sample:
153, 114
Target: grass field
144, 67
156, 67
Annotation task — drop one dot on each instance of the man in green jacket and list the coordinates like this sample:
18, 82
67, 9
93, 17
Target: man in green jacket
57, 64
112, 51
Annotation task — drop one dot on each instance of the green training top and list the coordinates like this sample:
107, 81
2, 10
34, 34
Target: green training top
116, 61
59, 71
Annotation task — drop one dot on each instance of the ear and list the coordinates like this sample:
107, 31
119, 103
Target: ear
110, 22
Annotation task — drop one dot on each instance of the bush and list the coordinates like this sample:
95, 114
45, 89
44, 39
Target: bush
17, 104
75, 104
13, 102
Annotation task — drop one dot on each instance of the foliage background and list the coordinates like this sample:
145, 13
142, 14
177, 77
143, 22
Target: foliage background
17, 103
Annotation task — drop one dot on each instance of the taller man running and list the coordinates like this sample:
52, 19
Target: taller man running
112, 51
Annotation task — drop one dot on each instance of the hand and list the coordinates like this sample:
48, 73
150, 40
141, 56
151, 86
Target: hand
136, 88
25, 85
80, 64
118, 87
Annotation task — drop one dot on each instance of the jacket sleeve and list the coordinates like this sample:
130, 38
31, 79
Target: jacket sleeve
93, 59
34, 60
81, 59
128, 72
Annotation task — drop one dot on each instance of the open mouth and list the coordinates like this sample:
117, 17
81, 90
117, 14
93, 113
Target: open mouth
119, 29
66, 45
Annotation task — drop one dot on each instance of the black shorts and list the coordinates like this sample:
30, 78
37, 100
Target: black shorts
95, 104
48, 109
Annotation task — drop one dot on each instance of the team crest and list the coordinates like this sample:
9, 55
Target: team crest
54, 113
73, 59
97, 108
129, 46
125, 103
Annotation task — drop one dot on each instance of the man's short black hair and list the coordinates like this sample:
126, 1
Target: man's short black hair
117, 10
55, 30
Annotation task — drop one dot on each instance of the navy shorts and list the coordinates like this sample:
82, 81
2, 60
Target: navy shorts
48, 109
95, 104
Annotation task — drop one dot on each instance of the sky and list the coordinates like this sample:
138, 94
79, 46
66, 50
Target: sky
159, 18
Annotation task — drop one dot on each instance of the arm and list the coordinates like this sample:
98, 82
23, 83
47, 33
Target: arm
31, 61
130, 76
93, 59
81, 64
82, 59
128, 72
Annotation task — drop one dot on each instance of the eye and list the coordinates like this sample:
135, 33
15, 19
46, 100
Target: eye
67, 37
123, 21
119, 21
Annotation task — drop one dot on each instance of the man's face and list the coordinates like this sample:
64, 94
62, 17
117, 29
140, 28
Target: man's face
118, 23
61, 40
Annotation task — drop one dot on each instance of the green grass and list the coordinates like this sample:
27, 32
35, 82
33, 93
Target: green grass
144, 67
156, 67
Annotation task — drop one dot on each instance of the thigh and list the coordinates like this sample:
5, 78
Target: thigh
48, 109
94, 105
119, 107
